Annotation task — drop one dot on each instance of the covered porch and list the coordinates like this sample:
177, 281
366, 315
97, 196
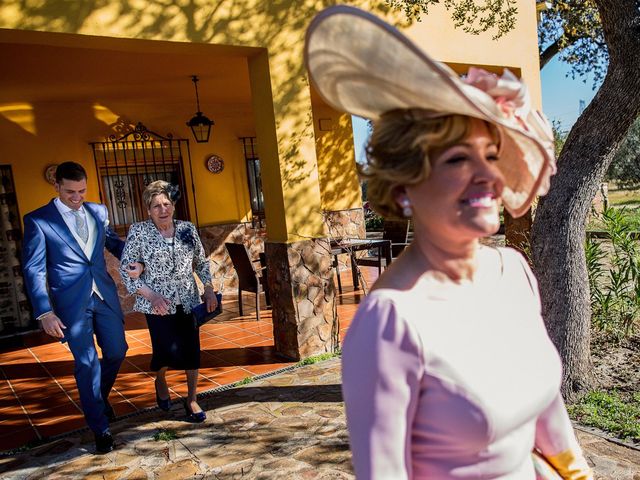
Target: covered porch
277, 174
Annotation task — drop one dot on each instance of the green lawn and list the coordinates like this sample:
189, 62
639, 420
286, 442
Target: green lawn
628, 200
623, 197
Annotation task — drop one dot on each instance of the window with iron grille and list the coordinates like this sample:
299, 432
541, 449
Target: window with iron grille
126, 165
253, 176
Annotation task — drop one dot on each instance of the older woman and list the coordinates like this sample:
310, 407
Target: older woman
166, 291
448, 371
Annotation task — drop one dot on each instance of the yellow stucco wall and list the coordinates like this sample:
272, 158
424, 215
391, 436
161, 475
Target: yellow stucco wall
298, 174
339, 185
518, 49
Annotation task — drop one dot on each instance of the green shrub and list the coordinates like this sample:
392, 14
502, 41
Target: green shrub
373, 221
632, 217
614, 278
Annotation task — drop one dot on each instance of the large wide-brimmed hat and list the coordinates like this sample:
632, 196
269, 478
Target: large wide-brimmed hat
361, 65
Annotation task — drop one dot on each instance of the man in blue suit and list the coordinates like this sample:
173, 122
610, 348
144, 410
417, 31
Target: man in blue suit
72, 293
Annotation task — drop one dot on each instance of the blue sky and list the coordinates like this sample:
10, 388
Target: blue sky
561, 98
561, 95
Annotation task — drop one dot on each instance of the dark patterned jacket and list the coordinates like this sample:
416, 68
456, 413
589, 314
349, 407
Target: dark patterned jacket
168, 270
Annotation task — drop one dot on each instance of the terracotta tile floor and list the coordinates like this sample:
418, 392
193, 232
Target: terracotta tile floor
38, 396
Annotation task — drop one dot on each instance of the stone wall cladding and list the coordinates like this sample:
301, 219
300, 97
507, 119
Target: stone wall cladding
300, 279
213, 239
345, 224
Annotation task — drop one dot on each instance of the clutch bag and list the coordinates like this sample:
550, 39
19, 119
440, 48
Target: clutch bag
544, 470
200, 314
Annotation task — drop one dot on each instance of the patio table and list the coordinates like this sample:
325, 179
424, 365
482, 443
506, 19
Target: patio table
351, 245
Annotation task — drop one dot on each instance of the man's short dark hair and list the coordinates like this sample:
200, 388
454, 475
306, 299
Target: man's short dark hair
70, 171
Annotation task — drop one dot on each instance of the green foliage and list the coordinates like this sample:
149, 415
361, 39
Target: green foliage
614, 277
372, 221
573, 29
608, 412
165, 435
625, 167
245, 381
632, 217
559, 136
474, 17
318, 358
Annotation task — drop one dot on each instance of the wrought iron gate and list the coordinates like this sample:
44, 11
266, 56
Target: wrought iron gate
126, 165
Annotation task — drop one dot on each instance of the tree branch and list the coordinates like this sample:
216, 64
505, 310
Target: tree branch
548, 53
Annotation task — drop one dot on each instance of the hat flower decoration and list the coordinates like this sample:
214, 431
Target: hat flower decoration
509, 93
363, 66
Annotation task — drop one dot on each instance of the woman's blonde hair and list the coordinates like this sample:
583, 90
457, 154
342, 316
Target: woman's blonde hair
400, 150
158, 187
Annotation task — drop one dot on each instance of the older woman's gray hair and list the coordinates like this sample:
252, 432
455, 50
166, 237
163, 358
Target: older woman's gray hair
158, 187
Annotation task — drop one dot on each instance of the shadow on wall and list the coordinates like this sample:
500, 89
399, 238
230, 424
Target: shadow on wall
277, 25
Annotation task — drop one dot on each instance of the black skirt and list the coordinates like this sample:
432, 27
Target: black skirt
175, 340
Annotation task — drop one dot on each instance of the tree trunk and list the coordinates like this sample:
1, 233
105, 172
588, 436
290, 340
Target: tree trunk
517, 232
558, 232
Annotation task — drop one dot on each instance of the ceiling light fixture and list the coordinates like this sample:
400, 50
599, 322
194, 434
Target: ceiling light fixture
199, 124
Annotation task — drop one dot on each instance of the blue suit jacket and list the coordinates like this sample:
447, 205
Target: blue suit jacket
58, 275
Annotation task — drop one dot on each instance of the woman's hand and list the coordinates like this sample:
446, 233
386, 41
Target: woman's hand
159, 304
135, 269
210, 298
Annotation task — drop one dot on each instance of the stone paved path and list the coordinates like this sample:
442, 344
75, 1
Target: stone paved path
288, 426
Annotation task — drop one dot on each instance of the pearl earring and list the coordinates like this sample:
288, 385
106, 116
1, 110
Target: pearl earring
407, 211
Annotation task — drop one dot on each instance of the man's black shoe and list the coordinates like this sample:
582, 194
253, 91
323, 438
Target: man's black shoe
109, 412
104, 443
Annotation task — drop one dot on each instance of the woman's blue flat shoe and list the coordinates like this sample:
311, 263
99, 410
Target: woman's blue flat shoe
162, 404
198, 417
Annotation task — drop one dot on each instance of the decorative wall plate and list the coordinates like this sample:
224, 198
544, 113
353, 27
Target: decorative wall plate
50, 174
214, 163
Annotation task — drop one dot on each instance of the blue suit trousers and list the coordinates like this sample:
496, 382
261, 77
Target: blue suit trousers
95, 377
